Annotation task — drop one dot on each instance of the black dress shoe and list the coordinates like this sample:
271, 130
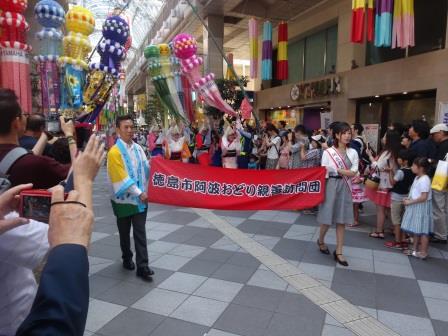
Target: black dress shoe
145, 273
129, 265
339, 261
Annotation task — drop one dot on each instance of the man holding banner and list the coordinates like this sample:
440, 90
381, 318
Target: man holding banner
128, 171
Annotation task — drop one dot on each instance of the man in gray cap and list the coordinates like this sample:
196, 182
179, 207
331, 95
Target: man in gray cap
439, 134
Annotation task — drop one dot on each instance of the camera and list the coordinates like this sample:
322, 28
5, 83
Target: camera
36, 204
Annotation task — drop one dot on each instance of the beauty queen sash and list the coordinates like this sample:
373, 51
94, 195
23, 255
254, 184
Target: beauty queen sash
340, 163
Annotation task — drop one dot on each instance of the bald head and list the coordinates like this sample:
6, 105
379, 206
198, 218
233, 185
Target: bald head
35, 123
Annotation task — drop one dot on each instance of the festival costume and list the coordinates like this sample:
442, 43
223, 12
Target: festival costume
338, 205
128, 172
177, 150
202, 148
155, 144
229, 160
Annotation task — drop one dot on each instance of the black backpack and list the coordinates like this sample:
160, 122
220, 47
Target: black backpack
6, 163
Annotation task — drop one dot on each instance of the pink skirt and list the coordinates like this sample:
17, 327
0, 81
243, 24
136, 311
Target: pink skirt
380, 197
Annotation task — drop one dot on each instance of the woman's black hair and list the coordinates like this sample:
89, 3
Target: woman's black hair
424, 163
271, 127
359, 128
340, 128
393, 143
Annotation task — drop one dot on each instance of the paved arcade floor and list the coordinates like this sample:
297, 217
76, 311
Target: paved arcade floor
206, 284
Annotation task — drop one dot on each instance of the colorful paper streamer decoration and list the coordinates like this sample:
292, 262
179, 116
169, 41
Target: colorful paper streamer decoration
253, 47
266, 53
51, 16
185, 48
14, 63
358, 14
79, 23
229, 73
282, 52
383, 23
152, 54
167, 70
403, 32
370, 20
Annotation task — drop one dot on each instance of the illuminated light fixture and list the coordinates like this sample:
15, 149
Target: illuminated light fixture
377, 96
405, 92
370, 104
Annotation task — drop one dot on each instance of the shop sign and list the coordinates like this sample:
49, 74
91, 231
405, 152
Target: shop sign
371, 135
321, 88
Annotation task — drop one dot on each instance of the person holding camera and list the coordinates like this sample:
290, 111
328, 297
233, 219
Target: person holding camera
20, 165
24, 243
62, 299
128, 171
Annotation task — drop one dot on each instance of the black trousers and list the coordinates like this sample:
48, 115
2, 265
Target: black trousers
138, 222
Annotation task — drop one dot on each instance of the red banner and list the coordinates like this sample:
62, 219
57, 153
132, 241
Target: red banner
196, 186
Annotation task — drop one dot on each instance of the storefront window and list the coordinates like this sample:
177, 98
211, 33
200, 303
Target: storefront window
331, 50
430, 33
404, 111
370, 113
313, 56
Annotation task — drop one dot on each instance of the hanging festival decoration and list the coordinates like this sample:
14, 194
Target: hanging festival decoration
103, 75
185, 47
282, 52
370, 20
253, 47
358, 14
152, 54
51, 16
229, 72
383, 23
177, 73
266, 54
14, 63
167, 70
80, 24
403, 34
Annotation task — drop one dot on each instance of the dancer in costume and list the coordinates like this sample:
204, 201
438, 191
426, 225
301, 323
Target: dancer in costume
231, 148
155, 141
203, 142
128, 171
176, 147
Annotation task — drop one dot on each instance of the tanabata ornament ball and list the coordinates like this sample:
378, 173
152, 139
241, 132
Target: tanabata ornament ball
49, 13
185, 46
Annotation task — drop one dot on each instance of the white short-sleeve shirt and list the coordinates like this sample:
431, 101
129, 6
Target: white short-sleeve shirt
21, 250
421, 185
275, 148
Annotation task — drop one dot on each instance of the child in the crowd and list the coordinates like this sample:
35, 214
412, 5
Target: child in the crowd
253, 162
417, 219
401, 182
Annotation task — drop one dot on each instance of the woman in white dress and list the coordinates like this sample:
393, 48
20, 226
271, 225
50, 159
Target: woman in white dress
341, 163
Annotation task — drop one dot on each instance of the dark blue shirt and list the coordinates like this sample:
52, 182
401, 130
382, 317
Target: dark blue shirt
424, 148
28, 142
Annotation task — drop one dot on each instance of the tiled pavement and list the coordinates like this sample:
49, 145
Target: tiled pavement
206, 284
